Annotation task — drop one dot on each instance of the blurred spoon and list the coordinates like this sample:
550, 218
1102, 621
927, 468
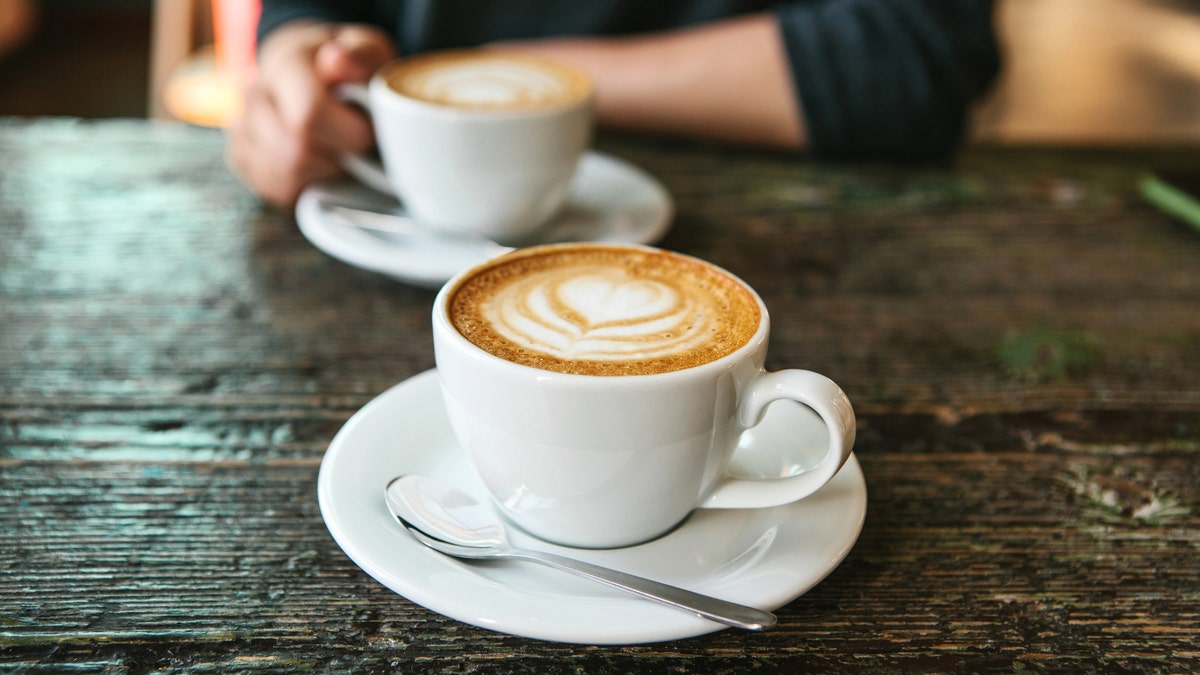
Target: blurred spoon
404, 226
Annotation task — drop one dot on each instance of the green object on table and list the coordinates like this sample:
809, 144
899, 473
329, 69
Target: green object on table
1171, 198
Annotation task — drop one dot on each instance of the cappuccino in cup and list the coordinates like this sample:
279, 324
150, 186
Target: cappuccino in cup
483, 80
600, 390
476, 142
599, 310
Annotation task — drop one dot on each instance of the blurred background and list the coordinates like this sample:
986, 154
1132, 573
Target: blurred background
1076, 71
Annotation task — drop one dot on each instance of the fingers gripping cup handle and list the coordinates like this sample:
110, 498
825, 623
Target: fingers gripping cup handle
367, 171
824, 397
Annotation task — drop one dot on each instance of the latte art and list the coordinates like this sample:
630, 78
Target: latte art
490, 80
599, 315
604, 310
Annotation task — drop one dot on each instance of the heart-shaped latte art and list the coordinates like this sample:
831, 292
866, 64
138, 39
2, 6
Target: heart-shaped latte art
599, 314
601, 300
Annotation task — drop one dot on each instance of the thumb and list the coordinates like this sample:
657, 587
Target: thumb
353, 54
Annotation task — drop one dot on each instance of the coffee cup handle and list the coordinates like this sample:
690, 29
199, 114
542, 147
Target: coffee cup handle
824, 397
366, 170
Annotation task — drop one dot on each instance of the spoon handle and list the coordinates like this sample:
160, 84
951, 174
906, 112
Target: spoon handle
391, 223
721, 611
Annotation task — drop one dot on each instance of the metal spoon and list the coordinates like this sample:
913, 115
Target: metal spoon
393, 223
453, 523
572, 224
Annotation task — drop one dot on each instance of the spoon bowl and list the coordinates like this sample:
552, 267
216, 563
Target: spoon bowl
451, 522
444, 513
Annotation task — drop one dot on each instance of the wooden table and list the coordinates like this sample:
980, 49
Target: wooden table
1020, 334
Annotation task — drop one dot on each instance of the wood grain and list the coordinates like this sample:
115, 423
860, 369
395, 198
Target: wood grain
1019, 333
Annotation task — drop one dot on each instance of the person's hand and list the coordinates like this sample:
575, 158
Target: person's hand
293, 128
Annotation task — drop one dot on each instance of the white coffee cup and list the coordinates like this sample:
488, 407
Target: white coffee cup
475, 142
606, 460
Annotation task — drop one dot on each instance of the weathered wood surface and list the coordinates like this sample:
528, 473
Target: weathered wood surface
1019, 332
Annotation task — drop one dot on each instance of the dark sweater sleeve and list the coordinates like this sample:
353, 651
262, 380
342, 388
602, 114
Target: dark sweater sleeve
889, 79
275, 13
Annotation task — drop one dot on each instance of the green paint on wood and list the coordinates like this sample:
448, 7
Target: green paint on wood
1048, 355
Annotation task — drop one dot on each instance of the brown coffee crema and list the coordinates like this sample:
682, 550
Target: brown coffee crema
593, 309
488, 80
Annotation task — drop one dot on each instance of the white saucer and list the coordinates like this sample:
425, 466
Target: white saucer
610, 200
764, 557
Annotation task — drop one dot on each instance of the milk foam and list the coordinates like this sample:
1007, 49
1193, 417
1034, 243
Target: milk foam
599, 314
612, 312
483, 80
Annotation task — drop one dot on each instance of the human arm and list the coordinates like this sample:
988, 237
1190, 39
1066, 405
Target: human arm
727, 80
847, 79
